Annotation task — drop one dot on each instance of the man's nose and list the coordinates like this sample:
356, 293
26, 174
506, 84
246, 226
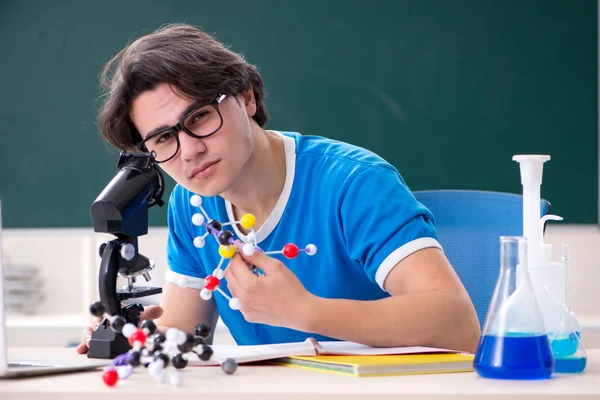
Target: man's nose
189, 146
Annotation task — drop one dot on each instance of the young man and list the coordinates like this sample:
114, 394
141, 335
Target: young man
379, 276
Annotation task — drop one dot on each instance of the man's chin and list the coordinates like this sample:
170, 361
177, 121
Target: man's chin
204, 191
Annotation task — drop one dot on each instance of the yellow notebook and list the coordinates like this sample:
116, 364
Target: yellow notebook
346, 358
308, 348
384, 365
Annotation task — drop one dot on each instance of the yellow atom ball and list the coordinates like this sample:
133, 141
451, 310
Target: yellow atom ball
226, 251
248, 221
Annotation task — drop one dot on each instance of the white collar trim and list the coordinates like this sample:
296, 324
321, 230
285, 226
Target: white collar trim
264, 231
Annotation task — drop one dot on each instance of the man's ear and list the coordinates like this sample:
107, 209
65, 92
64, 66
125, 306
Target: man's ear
249, 101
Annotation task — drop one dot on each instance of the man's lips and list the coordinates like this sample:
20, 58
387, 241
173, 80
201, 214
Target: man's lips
203, 167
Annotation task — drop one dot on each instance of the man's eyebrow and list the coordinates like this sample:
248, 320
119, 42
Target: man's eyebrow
185, 112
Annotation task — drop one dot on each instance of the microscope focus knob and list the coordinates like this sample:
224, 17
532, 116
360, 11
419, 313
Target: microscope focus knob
128, 251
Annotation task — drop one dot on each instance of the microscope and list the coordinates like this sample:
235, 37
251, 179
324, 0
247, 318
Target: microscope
121, 209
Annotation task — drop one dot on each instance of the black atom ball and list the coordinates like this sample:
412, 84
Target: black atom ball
148, 327
163, 357
215, 224
97, 309
188, 345
224, 237
159, 338
179, 362
207, 353
117, 324
202, 331
135, 359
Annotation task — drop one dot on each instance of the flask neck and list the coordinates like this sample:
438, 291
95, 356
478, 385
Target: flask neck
513, 260
513, 252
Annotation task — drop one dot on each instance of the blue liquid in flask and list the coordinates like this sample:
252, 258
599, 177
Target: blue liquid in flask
567, 356
573, 364
514, 356
566, 346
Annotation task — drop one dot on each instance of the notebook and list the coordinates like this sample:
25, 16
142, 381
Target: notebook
39, 366
384, 365
314, 351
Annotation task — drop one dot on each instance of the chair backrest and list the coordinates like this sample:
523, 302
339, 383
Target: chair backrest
469, 225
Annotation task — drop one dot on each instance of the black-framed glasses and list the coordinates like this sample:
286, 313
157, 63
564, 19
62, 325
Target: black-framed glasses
203, 121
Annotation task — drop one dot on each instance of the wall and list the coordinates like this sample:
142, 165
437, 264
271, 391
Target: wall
447, 91
68, 261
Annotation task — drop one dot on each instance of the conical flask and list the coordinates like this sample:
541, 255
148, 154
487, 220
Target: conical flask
514, 343
567, 349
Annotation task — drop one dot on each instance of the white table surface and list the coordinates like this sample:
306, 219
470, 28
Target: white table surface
279, 382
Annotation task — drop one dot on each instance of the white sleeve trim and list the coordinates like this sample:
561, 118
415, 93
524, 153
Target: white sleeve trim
400, 254
184, 280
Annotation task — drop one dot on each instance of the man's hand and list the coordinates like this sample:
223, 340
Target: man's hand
149, 313
275, 297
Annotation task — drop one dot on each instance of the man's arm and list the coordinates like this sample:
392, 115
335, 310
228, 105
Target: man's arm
428, 307
184, 309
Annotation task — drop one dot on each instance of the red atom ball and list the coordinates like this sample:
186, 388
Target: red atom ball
212, 282
290, 250
137, 336
110, 377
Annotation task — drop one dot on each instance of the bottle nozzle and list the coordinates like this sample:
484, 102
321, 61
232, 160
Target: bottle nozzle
546, 249
532, 167
548, 217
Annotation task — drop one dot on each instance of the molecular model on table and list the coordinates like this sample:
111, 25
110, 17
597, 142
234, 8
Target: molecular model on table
156, 351
228, 246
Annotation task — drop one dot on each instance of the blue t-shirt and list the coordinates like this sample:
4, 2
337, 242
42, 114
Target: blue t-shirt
347, 201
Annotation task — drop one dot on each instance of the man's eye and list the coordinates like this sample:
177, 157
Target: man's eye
163, 137
198, 117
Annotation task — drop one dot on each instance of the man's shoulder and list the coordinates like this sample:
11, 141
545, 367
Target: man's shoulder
179, 196
335, 155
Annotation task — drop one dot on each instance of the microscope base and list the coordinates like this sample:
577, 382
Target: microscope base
107, 344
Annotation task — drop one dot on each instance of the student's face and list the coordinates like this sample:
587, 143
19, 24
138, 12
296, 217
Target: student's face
207, 166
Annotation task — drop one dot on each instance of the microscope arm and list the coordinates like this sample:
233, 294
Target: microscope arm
107, 279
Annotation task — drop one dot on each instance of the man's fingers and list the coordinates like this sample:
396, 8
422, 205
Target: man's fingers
240, 268
85, 342
262, 261
82, 348
151, 313
232, 280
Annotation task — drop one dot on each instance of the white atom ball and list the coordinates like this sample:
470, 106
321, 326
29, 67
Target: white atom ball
198, 219
196, 201
199, 242
176, 336
205, 294
234, 303
128, 329
248, 249
175, 378
311, 249
218, 272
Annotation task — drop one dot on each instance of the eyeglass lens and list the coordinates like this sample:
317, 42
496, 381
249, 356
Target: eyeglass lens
202, 122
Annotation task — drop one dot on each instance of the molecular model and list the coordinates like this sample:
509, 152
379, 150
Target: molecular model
156, 351
228, 246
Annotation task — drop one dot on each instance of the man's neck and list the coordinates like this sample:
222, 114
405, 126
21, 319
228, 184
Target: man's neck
261, 182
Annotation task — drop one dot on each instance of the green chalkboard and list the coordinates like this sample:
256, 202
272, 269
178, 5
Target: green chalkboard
446, 90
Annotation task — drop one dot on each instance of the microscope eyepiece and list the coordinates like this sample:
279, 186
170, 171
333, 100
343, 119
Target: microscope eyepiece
122, 207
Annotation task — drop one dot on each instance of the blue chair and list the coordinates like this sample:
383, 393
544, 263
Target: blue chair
469, 225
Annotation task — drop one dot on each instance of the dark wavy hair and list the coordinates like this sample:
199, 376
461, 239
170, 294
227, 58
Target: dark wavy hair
182, 56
